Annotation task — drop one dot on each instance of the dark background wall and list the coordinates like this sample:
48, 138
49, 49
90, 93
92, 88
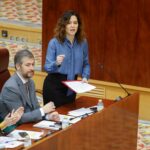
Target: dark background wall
118, 33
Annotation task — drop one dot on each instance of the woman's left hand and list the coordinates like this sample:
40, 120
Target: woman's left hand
84, 80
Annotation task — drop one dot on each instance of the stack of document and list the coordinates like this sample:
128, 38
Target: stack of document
57, 125
47, 125
80, 112
32, 134
61, 116
9, 142
71, 119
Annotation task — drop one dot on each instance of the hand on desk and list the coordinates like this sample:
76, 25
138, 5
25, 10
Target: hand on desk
84, 80
53, 116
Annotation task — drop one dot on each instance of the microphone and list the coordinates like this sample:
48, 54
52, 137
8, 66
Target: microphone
114, 78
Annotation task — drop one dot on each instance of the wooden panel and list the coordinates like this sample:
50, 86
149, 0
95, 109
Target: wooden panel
98, 92
118, 33
52, 9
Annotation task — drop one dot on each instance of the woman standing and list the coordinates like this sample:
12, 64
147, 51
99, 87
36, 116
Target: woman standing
66, 59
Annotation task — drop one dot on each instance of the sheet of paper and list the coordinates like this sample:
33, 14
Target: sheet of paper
33, 134
65, 116
79, 86
75, 120
47, 125
13, 144
80, 112
9, 142
71, 119
6, 139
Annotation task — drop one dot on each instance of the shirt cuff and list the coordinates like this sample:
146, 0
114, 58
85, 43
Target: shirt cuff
46, 117
57, 64
42, 112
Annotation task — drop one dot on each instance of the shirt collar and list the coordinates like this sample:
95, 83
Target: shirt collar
22, 78
67, 41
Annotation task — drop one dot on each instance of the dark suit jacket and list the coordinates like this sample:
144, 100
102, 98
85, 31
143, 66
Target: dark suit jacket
14, 95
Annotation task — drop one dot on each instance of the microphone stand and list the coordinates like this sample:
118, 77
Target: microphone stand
114, 78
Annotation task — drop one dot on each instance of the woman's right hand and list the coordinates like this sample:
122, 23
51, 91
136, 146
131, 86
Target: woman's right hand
60, 59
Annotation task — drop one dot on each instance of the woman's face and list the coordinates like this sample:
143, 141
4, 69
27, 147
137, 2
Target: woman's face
72, 26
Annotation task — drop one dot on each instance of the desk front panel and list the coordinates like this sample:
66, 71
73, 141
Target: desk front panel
114, 128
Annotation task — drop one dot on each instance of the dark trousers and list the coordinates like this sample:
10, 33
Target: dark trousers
54, 90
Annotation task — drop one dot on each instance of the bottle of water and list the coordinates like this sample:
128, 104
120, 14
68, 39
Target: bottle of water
100, 105
2, 147
27, 141
65, 122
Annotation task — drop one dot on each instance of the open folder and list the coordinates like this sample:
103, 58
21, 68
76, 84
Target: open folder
79, 86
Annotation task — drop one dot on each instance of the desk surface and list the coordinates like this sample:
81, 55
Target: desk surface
116, 124
80, 102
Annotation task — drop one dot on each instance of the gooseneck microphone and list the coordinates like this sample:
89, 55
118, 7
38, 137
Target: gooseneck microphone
114, 78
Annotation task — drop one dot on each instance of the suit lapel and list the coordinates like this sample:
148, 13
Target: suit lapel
33, 98
23, 92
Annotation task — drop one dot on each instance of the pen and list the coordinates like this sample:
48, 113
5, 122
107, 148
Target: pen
9, 141
51, 125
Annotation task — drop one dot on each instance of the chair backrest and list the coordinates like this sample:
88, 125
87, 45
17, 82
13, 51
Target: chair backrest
4, 61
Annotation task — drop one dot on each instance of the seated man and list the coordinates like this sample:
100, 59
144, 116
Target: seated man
19, 90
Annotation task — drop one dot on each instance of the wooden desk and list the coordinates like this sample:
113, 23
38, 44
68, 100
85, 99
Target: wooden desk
113, 128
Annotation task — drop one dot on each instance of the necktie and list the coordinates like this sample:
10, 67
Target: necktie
27, 92
27, 89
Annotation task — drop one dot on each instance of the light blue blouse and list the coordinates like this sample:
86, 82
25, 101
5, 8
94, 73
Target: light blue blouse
76, 61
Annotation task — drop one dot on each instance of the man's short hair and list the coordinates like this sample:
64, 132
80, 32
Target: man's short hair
22, 54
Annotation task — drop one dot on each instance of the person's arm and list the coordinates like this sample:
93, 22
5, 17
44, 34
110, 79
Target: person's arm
51, 65
54, 116
11, 118
86, 65
31, 116
2, 125
14, 100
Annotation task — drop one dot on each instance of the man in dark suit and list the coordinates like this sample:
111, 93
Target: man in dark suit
19, 90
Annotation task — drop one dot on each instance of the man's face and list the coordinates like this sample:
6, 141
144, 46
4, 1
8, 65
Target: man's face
26, 69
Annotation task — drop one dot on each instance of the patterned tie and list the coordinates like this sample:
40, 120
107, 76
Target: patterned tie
27, 88
27, 92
